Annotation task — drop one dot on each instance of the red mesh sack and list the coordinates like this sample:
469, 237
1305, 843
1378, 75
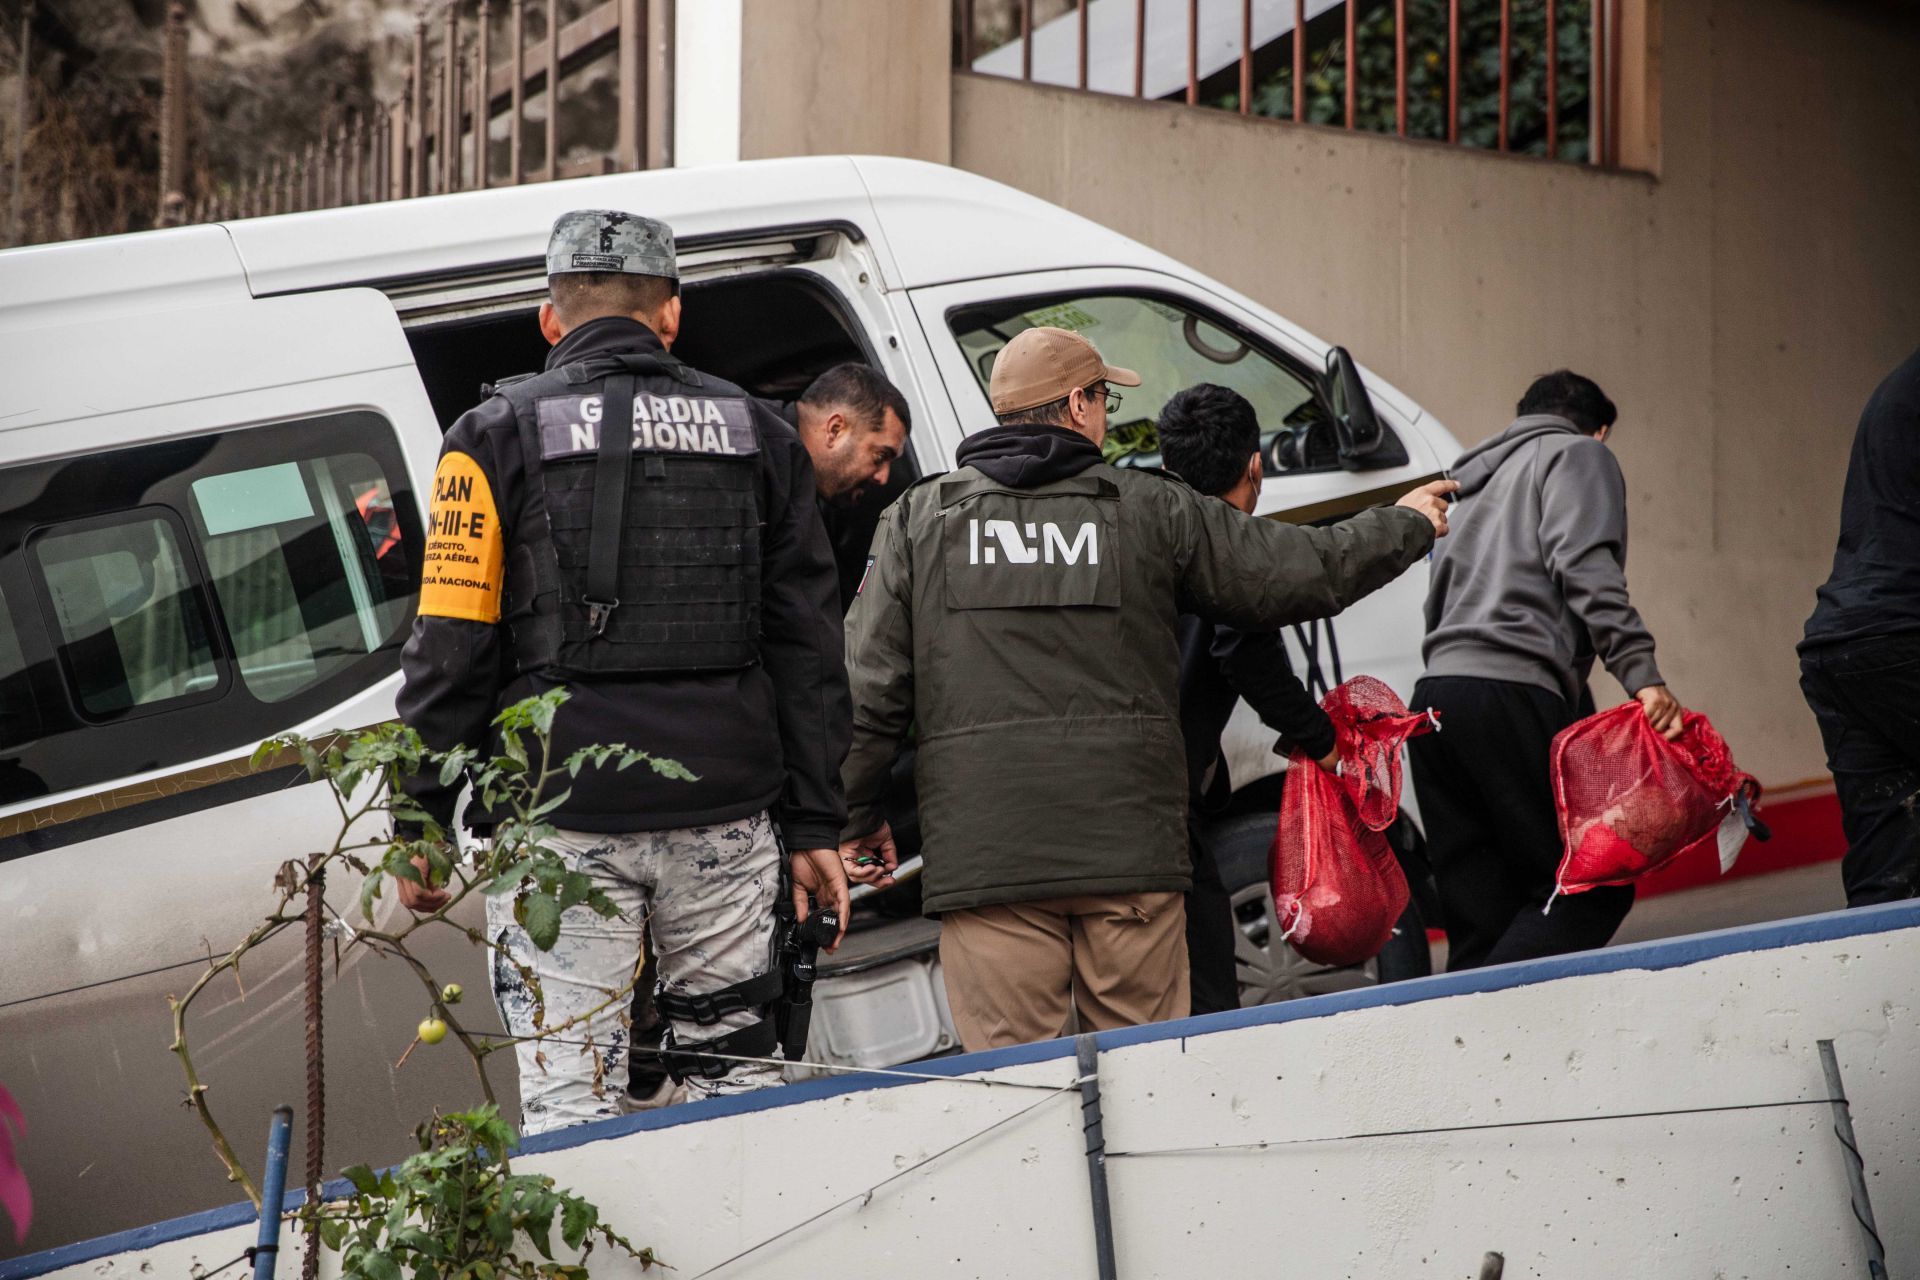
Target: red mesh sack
1337, 887
1370, 723
1630, 801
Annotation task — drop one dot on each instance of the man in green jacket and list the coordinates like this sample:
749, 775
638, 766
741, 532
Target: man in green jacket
1022, 611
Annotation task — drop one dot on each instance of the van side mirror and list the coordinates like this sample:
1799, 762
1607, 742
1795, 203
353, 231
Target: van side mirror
1355, 424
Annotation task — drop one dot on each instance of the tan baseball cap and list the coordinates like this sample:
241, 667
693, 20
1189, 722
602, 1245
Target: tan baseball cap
1043, 365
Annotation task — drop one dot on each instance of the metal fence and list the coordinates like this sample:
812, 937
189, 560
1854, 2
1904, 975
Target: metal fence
1338, 62
433, 136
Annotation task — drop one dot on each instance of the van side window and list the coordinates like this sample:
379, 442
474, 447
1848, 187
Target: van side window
133, 628
1172, 345
167, 602
297, 552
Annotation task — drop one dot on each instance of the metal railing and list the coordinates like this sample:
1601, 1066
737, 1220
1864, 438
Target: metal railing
1308, 61
435, 135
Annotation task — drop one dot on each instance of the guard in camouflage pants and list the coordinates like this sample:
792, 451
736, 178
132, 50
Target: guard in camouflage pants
706, 892
644, 536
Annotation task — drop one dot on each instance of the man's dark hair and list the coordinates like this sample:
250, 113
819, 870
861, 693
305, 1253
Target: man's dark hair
1566, 394
580, 296
1207, 433
861, 391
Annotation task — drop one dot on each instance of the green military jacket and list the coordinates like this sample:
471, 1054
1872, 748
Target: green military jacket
1030, 634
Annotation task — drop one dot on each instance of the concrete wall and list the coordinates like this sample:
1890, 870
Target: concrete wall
946, 1178
821, 77
1740, 307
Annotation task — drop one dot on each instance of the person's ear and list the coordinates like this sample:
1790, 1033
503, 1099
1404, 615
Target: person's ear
666, 324
835, 428
1602, 434
1255, 471
550, 327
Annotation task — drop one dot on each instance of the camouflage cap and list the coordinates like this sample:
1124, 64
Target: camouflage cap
609, 240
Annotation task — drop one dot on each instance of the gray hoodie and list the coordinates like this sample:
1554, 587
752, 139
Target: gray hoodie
1531, 584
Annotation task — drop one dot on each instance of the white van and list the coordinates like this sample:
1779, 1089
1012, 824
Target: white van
214, 449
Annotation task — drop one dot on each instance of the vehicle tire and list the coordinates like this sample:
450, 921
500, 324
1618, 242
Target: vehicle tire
1267, 968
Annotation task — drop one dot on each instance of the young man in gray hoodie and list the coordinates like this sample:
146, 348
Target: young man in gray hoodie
1530, 587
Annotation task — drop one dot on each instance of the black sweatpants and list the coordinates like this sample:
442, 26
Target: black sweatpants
1492, 832
1866, 696
1210, 933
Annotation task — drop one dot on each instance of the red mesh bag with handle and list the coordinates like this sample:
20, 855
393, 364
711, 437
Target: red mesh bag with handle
1337, 887
1630, 801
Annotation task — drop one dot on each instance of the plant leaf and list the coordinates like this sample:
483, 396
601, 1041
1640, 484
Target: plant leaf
542, 920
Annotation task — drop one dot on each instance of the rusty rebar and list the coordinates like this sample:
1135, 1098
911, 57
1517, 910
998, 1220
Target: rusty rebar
1193, 52
1246, 57
1299, 60
1553, 80
1506, 67
631, 144
660, 58
517, 95
1353, 68
316, 1066
1026, 39
553, 90
1453, 70
416, 174
483, 95
1081, 5
1400, 67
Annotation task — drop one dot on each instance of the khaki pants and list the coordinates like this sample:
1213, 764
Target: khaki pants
1015, 971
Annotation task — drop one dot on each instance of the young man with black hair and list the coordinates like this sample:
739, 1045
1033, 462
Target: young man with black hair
1528, 590
1210, 437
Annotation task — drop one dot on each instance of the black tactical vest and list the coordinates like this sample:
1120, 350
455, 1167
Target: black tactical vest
685, 591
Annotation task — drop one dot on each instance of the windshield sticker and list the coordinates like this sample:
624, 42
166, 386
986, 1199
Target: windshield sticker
465, 556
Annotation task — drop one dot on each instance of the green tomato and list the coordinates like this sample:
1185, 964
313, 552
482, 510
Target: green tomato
451, 993
432, 1031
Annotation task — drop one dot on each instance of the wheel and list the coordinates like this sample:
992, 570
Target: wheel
1267, 968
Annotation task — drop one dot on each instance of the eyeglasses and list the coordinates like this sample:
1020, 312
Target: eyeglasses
1112, 397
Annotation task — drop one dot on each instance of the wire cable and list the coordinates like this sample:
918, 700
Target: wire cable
1467, 1128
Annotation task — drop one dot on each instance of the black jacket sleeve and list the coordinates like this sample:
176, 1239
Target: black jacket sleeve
802, 644
1255, 663
453, 666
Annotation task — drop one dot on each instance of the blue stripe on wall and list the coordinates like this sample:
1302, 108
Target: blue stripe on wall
1667, 953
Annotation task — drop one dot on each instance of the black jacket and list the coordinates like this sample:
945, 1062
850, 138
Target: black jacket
1221, 664
1875, 586
772, 735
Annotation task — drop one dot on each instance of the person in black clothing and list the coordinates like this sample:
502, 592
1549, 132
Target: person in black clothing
1860, 659
672, 573
1210, 437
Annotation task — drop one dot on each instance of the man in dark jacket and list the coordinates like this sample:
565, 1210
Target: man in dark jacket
703, 628
1210, 437
1022, 612
1530, 587
1860, 660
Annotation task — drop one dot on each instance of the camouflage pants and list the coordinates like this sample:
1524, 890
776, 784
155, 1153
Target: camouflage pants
707, 895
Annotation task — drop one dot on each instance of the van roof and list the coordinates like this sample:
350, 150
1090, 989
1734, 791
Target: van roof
928, 224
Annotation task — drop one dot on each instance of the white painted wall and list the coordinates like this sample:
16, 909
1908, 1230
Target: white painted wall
1741, 1194
706, 83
